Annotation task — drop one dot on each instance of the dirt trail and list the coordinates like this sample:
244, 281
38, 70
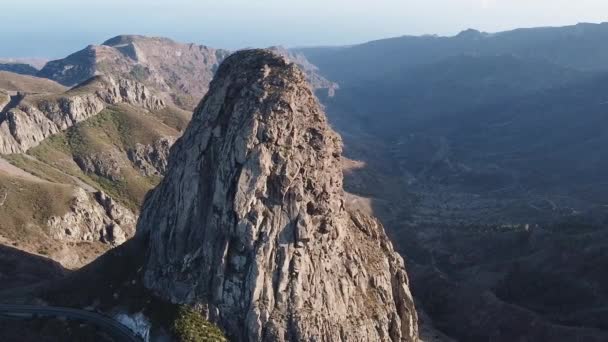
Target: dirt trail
12, 170
77, 181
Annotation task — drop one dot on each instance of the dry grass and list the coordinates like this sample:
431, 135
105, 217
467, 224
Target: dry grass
39, 169
29, 84
27, 206
114, 131
4, 98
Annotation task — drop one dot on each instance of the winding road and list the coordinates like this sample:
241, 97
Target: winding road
120, 332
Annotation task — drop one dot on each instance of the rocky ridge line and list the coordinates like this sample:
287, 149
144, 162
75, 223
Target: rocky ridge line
34, 118
179, 72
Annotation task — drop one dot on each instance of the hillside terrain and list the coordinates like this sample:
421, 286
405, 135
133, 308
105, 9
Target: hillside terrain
18, 68
180, 71
78, 162
481, 155
575, 47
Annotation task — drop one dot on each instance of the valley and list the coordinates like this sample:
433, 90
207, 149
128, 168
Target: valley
482, 158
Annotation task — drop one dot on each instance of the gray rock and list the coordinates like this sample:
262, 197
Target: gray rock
180, 71
93, 219
152, 160
35, 118
249, 224
107, 164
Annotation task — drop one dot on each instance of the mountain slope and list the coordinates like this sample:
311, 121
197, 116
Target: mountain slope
577, 47
30, 118
482, 155
13, 82
18, 68
402, 102
250, 225
183, 71
81, 161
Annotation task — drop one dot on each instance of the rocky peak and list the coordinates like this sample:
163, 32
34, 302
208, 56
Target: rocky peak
250, 226
181, 71
313, 76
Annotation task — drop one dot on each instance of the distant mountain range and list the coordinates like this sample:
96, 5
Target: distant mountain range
523, 107
577, 47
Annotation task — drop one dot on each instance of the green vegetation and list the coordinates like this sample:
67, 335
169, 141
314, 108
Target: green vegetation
140, 73
175, 118
111, 286
190, 326
39, 169
130, 190
183, 322
105, 139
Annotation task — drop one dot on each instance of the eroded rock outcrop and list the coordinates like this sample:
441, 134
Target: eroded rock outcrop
152, 159
107, 164
93, 218
249, 224
36, 117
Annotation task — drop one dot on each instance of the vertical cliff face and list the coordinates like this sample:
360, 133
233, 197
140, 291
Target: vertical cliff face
249, 225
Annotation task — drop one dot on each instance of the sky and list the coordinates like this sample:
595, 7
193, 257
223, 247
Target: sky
53, 29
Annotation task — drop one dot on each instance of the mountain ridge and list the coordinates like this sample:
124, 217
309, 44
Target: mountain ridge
182, 71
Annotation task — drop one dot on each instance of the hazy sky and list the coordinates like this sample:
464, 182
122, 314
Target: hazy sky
54, 28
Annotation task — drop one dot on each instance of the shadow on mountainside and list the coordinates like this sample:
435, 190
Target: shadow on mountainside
20, 269
25, 277
498, 283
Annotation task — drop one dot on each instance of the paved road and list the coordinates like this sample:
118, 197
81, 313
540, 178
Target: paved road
114, 328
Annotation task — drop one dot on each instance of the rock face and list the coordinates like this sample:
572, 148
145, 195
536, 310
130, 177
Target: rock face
249, 225
313, 76
151, 159
93, 219
31, 119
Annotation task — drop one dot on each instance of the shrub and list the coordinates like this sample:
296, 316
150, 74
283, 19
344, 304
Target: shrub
190, 326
